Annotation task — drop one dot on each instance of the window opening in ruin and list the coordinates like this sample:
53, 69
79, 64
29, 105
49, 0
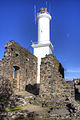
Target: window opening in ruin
12, 49
26, 72
16, 55
16, 77
13, 76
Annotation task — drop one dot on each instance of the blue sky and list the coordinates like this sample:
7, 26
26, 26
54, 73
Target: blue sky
17, 22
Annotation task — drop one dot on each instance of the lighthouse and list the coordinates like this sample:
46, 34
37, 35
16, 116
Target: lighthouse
43, 46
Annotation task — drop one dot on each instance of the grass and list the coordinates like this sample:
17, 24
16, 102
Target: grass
78, 101
29, 118
25, 118
3, 100
13, 109
35, 118
47, 106
5, 118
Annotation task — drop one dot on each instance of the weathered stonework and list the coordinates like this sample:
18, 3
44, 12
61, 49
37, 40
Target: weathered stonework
77, 88
53, 86
19, 67
18, 72
22, 62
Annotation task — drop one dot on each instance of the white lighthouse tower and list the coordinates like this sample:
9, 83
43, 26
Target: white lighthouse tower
43, 46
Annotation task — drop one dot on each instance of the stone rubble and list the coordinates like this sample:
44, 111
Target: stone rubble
18, 73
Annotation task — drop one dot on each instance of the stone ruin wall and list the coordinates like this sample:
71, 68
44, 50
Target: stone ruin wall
55, 92
24, 63
53, 86
77, 88
77, 84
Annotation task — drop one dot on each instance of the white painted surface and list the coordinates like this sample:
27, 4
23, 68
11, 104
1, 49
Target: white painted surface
43, 46
43, 27
41, 52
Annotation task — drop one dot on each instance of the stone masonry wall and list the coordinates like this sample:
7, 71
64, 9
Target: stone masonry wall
22, 62
53, 86
19, 67
77, 88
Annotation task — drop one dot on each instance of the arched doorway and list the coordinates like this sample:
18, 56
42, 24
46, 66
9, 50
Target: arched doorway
16, 77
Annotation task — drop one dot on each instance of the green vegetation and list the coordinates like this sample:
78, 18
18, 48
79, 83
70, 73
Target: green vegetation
36, 118
33, 118
13, 109
78, 101
55, 119
30, 118
3, 100
47, 106
5, 118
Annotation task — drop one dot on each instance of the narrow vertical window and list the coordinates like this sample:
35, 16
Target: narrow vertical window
16, 77
13, 76
26, 72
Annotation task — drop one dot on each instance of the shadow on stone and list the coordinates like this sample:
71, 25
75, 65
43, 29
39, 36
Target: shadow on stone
61, 70
69, 107
32, 89
77, 94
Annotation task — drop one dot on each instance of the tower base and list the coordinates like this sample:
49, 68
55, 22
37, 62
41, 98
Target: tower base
40, 51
